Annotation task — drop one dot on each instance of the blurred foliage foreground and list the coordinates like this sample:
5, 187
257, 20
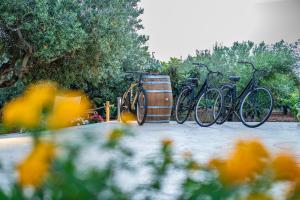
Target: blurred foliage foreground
52, 169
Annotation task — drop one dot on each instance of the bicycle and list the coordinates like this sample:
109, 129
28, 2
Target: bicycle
253, 106
205, 103
134, 100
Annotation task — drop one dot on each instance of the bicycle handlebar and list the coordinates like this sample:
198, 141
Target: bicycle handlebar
248, 63
204, 65
200, 65
264, 71
135, 72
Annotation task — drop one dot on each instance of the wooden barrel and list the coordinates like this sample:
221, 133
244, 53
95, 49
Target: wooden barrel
160, 99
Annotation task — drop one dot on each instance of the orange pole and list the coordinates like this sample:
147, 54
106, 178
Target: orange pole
107, 111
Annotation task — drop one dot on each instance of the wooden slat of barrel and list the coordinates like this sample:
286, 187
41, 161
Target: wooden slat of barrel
160, 98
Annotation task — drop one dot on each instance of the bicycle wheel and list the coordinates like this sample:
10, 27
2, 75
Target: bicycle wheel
256, 107
227, 104
126, 114
208, 107
182, 109
141, 107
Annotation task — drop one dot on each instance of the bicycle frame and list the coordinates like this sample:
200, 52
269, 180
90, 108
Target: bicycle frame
132, 99
194, 97
236, 100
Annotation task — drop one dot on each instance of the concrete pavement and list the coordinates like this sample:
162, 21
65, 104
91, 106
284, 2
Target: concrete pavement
204, 143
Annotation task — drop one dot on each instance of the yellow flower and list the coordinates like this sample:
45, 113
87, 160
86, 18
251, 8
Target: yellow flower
167, 142
26, 111
21, 113
285, 167
258, 196
246, 161
41, 94
116, 134
217, 163
127, 117
33, 169
187, 155
66, 109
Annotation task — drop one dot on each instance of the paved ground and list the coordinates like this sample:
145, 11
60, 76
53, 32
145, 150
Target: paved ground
203, 142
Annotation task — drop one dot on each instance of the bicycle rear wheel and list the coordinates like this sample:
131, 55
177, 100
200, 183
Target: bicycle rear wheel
208, 107
256, 107
182, 109
227, 104
141, 107
126, 114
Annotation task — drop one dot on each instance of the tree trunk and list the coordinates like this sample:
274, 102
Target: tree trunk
9, 72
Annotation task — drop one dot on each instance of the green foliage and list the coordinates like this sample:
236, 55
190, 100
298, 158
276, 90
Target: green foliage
84, 43
279, 59
6, 94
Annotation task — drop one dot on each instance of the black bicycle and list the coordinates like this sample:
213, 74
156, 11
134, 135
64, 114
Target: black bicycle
253, 106
207, 103
134, 99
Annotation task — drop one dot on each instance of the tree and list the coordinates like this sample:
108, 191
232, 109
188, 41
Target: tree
86, 43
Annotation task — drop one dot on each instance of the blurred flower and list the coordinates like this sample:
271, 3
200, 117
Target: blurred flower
33, 169
258, 196
247, 160
67, 108
127, 116
285, 167
115, 135
187, 155
41, 94
167, 142
218, 164
21, 113
26, 111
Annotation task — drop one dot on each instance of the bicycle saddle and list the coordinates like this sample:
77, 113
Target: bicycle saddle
129, 77
234, 78
192, 80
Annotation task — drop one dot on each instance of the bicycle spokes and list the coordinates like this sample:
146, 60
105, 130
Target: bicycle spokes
208, 107
183, 106
256, 107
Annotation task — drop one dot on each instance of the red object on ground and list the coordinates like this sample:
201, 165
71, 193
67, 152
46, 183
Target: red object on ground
97, 117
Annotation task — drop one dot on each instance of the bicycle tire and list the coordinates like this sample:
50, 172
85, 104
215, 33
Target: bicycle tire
268, 114
186, 92
125, 108
213, 118
144, 115
227, 103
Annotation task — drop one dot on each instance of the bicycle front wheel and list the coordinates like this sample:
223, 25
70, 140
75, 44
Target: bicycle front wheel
256, 107
227, 104
182, 109
209, 107
125, 111
141, 107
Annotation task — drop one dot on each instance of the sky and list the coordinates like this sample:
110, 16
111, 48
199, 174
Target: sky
177, 28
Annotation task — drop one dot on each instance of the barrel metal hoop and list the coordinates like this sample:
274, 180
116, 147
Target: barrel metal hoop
157, 107
151, 76
158, 115
158, 91
155, 83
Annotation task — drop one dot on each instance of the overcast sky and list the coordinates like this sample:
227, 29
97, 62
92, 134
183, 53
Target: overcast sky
179, 27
